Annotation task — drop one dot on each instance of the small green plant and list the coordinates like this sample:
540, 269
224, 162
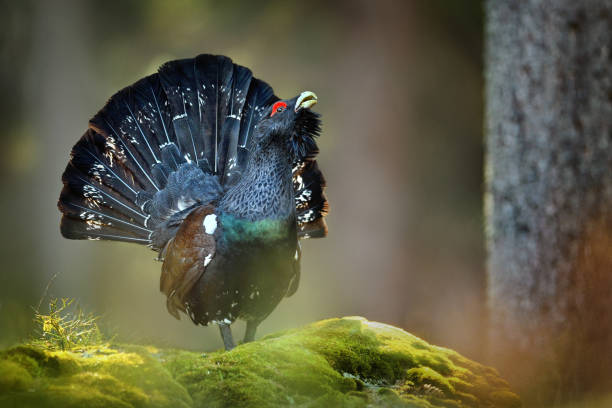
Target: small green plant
66, 326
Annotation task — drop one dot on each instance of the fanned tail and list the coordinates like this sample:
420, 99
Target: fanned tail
167, 143
100, 193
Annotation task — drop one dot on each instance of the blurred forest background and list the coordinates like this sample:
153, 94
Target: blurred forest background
400, 91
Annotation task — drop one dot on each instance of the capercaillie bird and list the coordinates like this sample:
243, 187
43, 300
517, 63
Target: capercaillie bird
205, 165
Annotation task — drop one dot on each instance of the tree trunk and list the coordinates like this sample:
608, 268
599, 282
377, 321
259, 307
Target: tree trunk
549, 193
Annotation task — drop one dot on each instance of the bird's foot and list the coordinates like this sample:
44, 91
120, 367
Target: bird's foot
226, 335
251, 328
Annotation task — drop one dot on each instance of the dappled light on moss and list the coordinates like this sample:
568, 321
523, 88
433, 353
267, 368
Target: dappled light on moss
346, 362
92, 377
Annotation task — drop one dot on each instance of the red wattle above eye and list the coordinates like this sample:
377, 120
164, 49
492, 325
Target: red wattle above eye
278, 107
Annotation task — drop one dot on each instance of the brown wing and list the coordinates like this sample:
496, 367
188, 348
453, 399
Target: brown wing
186, 257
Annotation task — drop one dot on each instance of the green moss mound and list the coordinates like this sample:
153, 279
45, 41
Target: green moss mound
348, 362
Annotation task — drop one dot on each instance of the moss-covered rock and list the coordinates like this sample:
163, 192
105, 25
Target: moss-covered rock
347, 362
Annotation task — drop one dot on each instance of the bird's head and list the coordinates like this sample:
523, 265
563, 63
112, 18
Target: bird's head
291, 122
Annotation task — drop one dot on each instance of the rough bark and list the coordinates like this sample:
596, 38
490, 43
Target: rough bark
549, 191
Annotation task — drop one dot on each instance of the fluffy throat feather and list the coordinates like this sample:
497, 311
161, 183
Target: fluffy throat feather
301, 144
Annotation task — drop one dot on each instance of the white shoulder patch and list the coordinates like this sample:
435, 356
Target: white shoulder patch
210, 223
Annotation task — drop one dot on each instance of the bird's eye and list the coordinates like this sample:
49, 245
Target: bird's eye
278, 107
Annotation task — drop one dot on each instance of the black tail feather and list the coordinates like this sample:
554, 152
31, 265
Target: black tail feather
310, 202
230, 130
260, 95
178, 81
93, 158
73, 228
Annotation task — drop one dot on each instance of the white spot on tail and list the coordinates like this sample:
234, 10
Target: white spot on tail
210, 223
308, 216
299, 182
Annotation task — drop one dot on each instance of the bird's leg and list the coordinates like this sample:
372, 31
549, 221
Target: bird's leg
251, 328
226, 334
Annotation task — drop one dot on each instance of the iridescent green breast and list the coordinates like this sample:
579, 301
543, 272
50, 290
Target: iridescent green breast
241, 230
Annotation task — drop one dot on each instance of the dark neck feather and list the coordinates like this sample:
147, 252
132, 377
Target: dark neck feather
265, 191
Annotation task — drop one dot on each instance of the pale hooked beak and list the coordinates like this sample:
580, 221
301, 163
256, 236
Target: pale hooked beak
305, 100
